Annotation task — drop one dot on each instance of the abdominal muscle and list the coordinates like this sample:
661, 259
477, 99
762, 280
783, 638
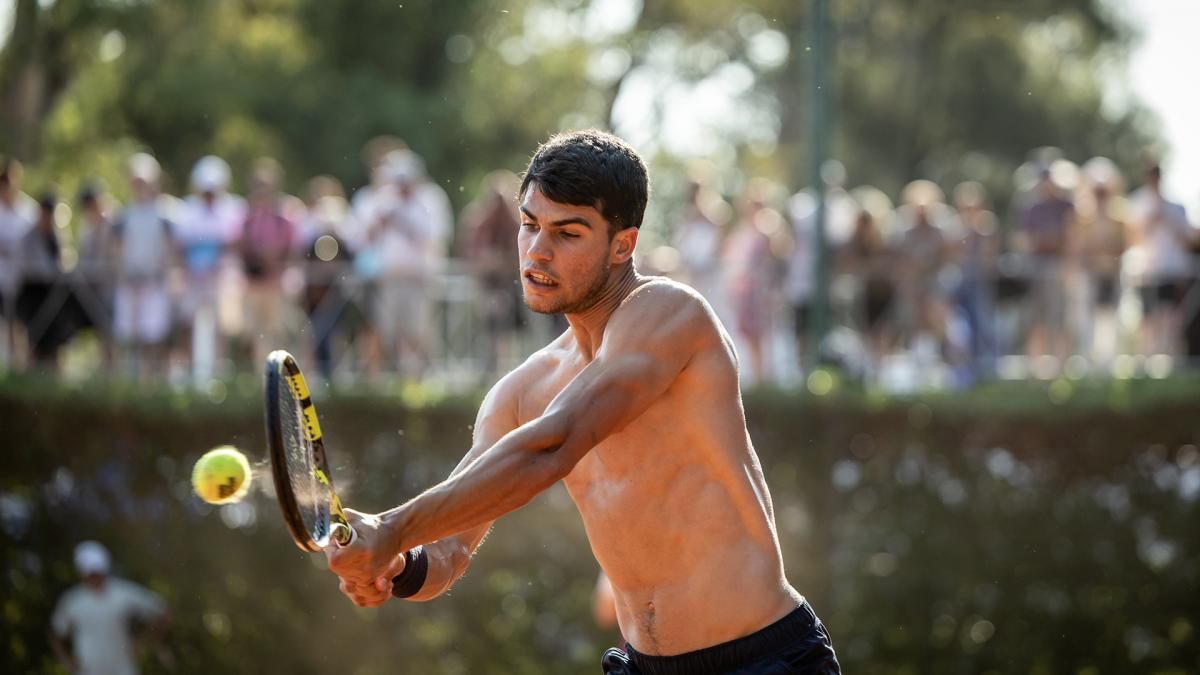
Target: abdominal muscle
682, 526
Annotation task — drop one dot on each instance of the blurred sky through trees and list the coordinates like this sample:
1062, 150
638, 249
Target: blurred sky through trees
1167, 44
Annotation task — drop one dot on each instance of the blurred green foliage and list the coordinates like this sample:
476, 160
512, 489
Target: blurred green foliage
923, 88
1009, 530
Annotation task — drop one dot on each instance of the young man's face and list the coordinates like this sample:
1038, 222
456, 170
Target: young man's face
565, 253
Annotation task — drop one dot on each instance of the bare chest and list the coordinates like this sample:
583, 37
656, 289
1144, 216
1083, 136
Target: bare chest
631, 464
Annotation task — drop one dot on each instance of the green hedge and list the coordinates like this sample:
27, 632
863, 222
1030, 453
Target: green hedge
1022, 528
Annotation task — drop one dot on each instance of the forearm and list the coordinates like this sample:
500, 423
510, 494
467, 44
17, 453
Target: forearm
501, 480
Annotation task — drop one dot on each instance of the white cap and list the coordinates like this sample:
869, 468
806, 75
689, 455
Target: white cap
210, 174
91, 558
144, 167
403, 166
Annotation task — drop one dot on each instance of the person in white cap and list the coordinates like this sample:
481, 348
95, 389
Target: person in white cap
410, 234
210, 223
145, 251
97, 616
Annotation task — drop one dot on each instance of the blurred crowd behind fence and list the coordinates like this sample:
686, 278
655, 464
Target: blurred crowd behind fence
1081, 276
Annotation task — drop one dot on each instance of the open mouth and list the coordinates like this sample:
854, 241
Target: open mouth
538, 279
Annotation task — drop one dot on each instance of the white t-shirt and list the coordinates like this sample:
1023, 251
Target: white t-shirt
1164, 254
204, 229
98, 623
145, 237
15, 221
414, 242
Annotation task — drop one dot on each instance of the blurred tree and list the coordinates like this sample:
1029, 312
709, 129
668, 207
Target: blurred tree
48, 44
923, 87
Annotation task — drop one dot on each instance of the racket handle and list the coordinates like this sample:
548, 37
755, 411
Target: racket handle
342, 534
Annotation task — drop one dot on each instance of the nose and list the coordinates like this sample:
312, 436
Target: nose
539, 247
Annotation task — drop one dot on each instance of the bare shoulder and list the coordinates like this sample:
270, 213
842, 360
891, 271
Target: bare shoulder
664, 308
665, 320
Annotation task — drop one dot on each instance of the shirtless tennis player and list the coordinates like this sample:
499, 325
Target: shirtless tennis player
636, 407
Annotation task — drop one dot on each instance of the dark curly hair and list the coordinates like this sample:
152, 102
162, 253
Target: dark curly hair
592, 168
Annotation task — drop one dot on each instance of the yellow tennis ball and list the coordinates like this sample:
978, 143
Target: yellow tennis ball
221, 475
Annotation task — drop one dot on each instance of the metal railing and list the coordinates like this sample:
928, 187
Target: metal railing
1026, 318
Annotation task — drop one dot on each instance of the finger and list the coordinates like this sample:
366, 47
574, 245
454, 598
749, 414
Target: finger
384, 581
374, 598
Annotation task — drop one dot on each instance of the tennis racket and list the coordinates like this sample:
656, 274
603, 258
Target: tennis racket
299, 466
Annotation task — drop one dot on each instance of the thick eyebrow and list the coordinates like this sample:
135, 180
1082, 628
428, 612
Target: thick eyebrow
573, 220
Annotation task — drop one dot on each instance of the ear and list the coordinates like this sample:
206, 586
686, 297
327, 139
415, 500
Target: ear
622, 246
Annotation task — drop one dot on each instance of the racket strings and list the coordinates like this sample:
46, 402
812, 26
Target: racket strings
312, 497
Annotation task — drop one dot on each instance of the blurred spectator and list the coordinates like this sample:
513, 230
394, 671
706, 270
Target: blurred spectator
327, 259
1046, 224
866, 264
102, 617
41, 298
841, 209
208, 224
923, 250
265, 246
142, 236
96, 237
1161, 262
489, 247
18, 211
798, 279
751, 272
698, 237
977, 252
368, 205
841, 212
368, 200
97, 258
410, 238
1101, 216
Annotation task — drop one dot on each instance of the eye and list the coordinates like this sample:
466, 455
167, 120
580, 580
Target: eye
529, 226
568, 235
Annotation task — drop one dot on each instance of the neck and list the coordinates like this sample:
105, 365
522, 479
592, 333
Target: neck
588, 325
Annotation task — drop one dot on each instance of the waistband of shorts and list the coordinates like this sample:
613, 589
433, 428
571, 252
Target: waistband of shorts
738, 653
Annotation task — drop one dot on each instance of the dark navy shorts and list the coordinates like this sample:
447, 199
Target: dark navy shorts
797, 644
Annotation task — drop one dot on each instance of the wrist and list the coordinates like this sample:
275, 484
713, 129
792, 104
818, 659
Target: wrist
416, 569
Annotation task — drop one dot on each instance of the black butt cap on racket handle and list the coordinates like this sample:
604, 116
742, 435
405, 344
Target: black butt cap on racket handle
342, 534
